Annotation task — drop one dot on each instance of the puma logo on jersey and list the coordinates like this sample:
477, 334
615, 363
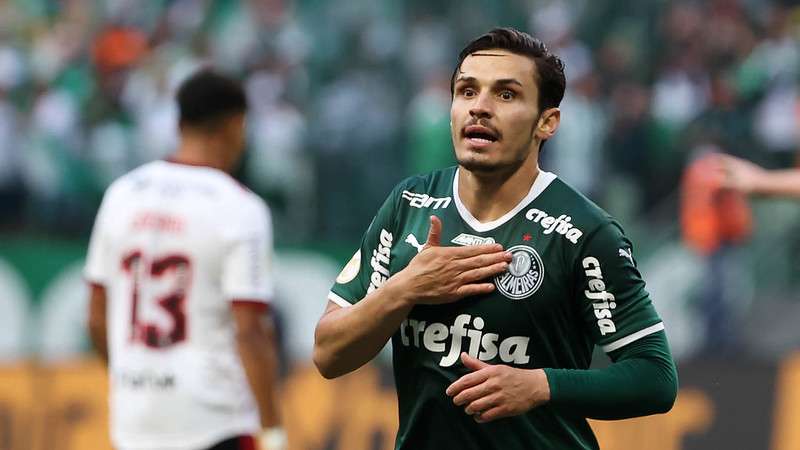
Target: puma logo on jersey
434, 337
602, 300
412, 240
626, 253
380, 261
425, 201
560, 224
471, 239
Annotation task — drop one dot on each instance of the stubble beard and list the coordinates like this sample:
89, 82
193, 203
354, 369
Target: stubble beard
486, 167
483, 167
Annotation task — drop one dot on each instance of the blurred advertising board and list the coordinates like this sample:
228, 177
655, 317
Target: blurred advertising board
721, 405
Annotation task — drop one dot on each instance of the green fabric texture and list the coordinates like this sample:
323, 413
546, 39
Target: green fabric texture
641, 381
572, 285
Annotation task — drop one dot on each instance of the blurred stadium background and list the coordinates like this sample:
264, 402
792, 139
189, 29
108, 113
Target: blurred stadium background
350, 96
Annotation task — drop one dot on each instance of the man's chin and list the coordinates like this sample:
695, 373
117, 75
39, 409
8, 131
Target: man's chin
479, 165
486, 167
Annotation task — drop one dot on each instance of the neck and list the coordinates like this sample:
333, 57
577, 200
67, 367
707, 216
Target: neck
489, 196
199, 150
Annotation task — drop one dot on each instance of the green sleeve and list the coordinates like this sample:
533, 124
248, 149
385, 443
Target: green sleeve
369, 267
642, 380
611, 296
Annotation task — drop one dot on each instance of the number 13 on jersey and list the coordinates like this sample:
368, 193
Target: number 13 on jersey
158, 285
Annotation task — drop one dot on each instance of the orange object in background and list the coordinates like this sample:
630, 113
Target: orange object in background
119, 47
711, 216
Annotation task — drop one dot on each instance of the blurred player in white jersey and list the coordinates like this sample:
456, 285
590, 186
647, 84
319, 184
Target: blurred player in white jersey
179, 267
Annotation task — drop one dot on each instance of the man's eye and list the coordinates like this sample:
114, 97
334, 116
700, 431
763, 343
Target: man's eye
507, 95
468, 92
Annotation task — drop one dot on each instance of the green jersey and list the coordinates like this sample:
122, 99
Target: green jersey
572, 284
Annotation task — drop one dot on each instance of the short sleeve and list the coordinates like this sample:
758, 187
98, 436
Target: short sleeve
612, 298
368, 269
98, 263
247, 264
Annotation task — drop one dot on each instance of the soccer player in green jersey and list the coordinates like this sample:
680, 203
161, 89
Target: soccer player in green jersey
495, 280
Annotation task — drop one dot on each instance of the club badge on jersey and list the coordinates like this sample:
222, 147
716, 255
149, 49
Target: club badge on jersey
525, 272
524, 275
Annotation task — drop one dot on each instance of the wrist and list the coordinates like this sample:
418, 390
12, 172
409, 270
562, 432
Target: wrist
273, 438
760, 183
541, 392
396, 289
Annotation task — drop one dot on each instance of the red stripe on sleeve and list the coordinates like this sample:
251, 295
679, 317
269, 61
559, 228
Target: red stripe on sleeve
247, 443
95, 284
251, 303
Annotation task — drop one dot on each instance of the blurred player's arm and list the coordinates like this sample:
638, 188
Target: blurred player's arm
347, 338
97, 320
247, 283
255, 341
748, 178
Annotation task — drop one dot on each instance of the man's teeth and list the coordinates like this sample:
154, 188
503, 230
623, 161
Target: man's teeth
480, 140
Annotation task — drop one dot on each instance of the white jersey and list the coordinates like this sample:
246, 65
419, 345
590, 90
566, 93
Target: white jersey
174, 245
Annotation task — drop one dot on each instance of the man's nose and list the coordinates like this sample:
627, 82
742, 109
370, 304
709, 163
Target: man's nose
481, 106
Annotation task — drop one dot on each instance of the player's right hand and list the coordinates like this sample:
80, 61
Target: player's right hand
445, 274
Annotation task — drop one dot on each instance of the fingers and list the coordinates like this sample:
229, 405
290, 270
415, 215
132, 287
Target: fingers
483, 403
483, 273
472, 363
467, 381
726, 158
483, 260
469, 290
434, 233
468, 396
494, 413
475, 250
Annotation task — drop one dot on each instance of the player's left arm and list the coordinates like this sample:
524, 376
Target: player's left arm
618, 315
247, 283
255, 341
619, 318
98, 332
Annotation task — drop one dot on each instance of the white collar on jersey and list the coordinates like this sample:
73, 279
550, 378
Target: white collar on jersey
539, 185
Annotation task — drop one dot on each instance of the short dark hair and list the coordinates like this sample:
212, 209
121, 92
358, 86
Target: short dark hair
549, 67
208, 96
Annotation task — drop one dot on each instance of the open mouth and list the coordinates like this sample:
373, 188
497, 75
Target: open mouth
478, 134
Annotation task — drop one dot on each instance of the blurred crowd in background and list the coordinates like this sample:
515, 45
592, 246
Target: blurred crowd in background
348, 97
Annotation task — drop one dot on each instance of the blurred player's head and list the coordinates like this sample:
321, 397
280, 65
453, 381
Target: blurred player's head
506, 90
212, 111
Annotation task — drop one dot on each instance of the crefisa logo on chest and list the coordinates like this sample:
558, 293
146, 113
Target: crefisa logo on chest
524, 275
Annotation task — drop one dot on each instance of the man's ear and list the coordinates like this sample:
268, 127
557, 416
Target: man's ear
548, 123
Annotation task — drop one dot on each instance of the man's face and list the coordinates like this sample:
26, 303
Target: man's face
495, 111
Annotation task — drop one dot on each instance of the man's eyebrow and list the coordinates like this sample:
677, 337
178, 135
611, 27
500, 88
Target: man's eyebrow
502, 82
465, 79
509, 81
487, 54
